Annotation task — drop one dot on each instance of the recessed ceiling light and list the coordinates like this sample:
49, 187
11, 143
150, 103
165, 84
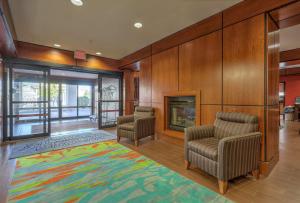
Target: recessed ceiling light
98, 53
57, 45
138, 25
77, 2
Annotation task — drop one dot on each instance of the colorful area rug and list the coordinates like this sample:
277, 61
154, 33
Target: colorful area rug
59, 140
101, 172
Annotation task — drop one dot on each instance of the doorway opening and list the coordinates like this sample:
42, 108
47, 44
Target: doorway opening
44, 101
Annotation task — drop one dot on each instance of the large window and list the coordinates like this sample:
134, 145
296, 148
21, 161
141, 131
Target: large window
70, 100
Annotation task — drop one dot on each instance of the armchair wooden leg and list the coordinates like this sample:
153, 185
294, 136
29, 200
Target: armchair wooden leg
223, 185
255, 174
187, 164
118, 138
136, 142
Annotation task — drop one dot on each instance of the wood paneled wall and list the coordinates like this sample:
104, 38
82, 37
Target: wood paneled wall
48, 54
232, 68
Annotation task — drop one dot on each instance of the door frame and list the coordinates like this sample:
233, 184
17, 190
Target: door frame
120, 78
8, 108
8, 61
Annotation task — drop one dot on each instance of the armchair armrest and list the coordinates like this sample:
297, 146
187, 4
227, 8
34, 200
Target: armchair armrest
144, 126
196, 133
125, 119
238, 155
200, 132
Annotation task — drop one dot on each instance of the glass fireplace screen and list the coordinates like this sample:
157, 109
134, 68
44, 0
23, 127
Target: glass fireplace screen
181, 112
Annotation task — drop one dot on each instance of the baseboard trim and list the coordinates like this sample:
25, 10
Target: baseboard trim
267, 166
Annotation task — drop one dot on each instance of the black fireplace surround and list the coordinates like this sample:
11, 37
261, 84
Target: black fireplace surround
181, 112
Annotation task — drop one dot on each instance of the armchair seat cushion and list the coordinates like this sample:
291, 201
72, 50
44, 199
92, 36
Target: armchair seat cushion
127, 126
207, 147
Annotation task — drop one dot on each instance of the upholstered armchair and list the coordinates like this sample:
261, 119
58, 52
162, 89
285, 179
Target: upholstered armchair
137, 126
227, 149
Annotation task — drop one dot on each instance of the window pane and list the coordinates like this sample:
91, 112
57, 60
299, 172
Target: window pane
109, 118
69, 112
84, 95
54, 95
110, 89
69, 95
54, 113
84, 111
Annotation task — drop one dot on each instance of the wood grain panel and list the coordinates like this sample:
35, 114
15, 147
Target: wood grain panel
243, 62
290, 55
99, 63
128, 85
7, 45
159, 116
286, 11
145, 80
253, 110
201, 28
52, 55
250, 8
208, 113
272, 135
164, 73
273, 63
295, 20
129, 108
136, 56
200, 67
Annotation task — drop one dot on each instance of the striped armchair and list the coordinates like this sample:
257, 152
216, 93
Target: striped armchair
137, 126
227, 149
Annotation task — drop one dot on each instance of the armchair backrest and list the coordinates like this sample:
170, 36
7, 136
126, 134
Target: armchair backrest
232, 123
143, 111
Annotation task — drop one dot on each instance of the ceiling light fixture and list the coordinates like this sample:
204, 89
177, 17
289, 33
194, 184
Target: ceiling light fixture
138, 25
57, 45
98, 53
77, 2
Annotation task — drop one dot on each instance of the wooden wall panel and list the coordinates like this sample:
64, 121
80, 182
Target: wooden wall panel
145, 80
290, 55
7, 45
58, 56
253, 110
250, 8
159, 116
128, 91
273, 63
243, 62
201, 28
136, 56
200, 67
272, 135
208, 113
164, 73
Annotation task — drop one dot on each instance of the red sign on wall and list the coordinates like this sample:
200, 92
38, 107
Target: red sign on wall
81, 55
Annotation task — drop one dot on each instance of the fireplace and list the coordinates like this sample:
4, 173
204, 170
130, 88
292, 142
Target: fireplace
181, 112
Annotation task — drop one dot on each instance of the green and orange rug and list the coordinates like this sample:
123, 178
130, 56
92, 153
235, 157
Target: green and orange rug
101, 172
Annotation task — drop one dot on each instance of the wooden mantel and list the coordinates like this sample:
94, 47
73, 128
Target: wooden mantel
196, 94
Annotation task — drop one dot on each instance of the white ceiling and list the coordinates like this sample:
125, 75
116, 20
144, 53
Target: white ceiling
290, 38
106, 26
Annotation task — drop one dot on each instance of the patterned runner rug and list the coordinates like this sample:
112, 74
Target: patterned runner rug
101, 172
59, 140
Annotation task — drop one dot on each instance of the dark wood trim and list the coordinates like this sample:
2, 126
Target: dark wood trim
295, 20
7, 45
290, 55
250, 8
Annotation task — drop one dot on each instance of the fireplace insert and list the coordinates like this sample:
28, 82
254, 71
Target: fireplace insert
181, 112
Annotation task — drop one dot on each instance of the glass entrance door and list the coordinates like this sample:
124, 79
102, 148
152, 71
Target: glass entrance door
27, 102
110, 104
